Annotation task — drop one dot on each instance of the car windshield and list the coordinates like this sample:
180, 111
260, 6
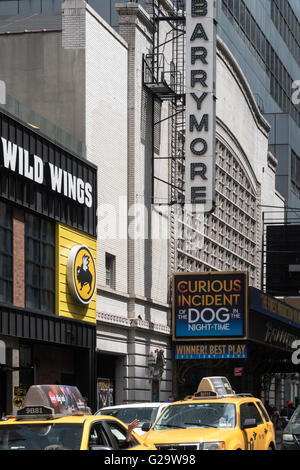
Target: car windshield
127, 415
296, 416
197, 415
50, 436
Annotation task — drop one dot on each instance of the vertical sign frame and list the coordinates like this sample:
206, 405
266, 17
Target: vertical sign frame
200, 144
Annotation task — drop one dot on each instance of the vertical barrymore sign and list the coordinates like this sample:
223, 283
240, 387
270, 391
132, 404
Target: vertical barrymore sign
200, 104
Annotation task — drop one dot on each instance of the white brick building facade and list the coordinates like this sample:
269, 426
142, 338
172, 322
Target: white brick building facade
133, 315
102, 70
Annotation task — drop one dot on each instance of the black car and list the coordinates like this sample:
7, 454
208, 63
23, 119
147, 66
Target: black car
291, 433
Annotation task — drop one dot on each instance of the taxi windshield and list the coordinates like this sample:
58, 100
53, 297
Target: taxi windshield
296, 416
50, 436
197, 415
127, 415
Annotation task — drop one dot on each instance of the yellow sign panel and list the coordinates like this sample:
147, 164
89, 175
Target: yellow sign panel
18, 401
75, 274
81, 273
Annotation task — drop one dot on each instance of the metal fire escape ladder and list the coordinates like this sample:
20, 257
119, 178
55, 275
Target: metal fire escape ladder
165, 81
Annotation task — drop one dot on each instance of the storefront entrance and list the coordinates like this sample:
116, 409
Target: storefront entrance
252, 375
2, 392
190, 373
106, 380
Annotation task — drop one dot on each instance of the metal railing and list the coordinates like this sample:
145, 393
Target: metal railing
154, 72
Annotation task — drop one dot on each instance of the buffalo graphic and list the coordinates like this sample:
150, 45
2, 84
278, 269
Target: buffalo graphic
84, 275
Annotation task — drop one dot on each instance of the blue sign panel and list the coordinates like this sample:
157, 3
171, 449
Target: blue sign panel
211, 351
264, 303
209, 304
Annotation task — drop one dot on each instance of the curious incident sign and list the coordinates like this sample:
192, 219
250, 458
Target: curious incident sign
209, 304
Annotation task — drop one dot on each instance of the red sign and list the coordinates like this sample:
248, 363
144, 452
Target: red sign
238, 371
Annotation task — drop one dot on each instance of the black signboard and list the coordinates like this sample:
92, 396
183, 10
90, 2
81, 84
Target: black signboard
41, 176
269, 331
209, 305
275, 308
35, 411
283, 260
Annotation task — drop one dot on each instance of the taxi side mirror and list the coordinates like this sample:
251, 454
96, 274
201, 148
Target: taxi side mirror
146, 427
249, 423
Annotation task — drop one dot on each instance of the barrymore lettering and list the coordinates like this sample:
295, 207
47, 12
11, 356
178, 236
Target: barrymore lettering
32, 167
200, 105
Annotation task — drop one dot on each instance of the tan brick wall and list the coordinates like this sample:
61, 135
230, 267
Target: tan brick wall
19, 258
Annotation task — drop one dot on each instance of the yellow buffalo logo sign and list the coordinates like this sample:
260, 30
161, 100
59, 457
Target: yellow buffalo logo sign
81, 273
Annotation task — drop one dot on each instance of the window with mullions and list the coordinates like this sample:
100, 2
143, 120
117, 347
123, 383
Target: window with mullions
295, 173
243, 16
280, 80
6, 254
287, 25
110, 268
236, 9
40, 263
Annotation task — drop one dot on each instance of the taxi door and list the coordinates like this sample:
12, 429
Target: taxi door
255, 437
269, 432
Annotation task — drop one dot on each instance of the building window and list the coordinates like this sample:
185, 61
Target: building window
6, 254
40, 263
157, 126
280, 80
288, 26
110, 270
295, 173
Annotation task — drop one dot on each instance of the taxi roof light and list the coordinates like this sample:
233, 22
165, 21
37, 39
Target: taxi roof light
214, 387
52, 401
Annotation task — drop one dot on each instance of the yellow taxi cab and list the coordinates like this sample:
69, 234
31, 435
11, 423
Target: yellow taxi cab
55, 417
214, 418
